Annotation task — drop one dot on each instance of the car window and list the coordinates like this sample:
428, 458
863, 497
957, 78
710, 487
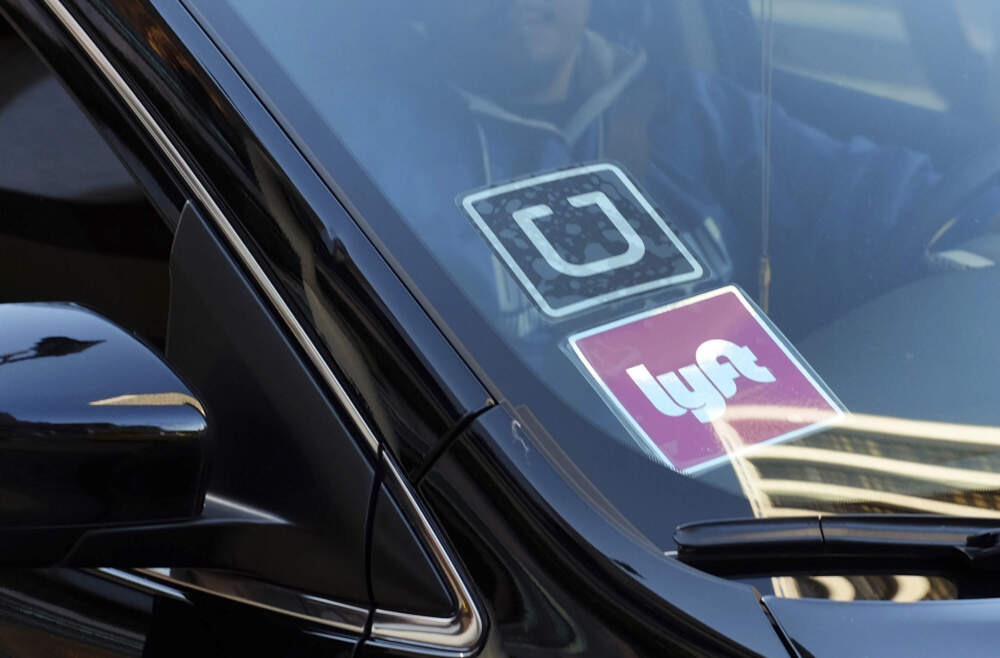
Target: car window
746, 272
75, 226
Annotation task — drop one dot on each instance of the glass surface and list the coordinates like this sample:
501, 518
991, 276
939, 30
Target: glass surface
728, 257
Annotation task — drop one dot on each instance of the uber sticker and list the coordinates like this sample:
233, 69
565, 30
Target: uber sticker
703, 378
580, 237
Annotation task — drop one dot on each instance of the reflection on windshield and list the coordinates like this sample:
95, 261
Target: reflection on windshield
558, 177
898, 588
869, 464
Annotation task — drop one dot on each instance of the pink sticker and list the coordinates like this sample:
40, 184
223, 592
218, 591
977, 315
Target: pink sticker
704, 378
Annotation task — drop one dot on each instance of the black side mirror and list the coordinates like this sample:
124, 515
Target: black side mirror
94, 427
103, 453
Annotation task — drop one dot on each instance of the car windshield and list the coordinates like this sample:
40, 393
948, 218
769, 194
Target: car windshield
718, 257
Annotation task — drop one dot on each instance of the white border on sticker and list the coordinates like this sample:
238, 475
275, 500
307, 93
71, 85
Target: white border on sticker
468, 204
637, 429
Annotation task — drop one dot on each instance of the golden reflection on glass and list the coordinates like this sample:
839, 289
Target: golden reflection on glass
865, 464
869, 587
838, 588
911, 588
786, 587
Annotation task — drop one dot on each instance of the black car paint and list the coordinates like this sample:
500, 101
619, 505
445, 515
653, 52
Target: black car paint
74, 445
568, 579
554, 590
824, 629
260, 396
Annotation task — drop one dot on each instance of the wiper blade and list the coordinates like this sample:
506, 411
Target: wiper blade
874, 540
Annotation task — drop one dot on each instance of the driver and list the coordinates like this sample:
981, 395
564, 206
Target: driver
536, 90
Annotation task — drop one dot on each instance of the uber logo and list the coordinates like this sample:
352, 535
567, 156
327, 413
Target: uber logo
580, 237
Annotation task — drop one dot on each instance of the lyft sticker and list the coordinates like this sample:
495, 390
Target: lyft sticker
580, 237
702, 379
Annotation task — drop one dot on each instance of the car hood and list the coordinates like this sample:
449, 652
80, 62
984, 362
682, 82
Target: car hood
820, 628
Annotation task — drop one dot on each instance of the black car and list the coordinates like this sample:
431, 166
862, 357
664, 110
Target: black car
502, 327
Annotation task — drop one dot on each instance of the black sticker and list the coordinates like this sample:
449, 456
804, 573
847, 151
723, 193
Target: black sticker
580, 237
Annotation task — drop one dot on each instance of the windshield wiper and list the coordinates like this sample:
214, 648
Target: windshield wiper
886, 541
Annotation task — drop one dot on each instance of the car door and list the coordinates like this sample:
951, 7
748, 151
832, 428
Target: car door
303, 376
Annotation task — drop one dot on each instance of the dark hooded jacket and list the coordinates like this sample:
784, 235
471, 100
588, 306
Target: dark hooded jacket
693, 142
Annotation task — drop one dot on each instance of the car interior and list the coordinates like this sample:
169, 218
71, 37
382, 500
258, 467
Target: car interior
918, 104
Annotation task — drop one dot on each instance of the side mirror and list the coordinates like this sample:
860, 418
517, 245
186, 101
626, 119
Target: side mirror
95, 429
103, 453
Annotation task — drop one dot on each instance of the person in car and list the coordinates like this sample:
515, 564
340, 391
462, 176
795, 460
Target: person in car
530, 88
